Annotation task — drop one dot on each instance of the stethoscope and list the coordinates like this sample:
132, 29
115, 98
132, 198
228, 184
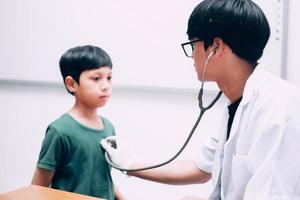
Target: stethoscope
203, 109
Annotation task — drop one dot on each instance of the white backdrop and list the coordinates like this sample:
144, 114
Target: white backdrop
142, 37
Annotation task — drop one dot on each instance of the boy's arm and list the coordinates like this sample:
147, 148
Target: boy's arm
118, 194
42, 177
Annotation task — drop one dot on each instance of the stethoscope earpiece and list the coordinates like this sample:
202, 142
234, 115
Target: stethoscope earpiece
215, 50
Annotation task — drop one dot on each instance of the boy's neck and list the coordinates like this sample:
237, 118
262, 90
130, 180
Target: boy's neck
84, 112
88, 117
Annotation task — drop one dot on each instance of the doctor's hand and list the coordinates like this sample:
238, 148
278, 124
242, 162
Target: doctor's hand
117, 155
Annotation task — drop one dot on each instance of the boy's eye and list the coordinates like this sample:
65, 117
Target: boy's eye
95, 78
109, 78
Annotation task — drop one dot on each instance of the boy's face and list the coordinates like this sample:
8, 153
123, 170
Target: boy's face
95, 87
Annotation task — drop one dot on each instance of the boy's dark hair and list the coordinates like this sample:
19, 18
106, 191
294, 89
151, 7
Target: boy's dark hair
241, 24
82, 58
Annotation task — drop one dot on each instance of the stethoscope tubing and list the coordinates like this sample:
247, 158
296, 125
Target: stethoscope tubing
203, 109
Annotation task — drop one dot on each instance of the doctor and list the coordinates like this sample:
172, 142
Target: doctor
257, 153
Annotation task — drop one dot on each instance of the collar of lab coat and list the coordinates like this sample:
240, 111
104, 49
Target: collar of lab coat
255, 80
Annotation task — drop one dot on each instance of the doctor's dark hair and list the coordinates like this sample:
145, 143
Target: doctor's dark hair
81, 58
241, 24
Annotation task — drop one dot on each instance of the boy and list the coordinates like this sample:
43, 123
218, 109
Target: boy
256, 155
71, 158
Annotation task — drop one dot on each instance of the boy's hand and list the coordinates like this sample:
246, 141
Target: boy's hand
116, 154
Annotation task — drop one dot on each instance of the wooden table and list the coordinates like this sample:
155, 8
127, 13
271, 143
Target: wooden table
34, 192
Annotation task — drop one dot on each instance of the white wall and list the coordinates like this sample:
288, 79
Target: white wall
293, 59
140, 36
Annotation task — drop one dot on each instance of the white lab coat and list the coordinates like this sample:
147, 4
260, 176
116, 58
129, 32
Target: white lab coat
261, 158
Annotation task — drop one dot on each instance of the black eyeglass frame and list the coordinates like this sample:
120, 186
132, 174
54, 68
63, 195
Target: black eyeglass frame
189, 43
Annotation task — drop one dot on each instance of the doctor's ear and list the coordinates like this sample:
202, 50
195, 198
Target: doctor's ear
218, 46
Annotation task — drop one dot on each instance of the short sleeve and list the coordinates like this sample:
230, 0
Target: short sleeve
52, 150
109, 127
205, 158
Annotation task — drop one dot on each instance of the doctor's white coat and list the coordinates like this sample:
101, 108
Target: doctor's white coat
261, 158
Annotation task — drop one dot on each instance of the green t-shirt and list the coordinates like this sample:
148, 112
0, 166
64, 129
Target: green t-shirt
72, 150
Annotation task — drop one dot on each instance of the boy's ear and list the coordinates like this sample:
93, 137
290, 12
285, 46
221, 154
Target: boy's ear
70, 84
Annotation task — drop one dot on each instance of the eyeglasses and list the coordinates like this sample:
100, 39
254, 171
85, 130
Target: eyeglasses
188, 48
